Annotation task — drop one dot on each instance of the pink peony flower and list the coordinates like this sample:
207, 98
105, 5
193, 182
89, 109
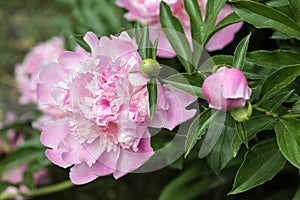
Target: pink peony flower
104, 128
147, 11
26, 73
226, 89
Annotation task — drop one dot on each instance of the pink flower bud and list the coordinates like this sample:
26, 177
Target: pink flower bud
227, 89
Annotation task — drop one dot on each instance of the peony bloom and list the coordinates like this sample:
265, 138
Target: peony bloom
104, 128
147, 11
226, 89
26, 73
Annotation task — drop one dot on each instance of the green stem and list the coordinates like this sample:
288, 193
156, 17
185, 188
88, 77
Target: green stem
267, 112
288, 116
39, 191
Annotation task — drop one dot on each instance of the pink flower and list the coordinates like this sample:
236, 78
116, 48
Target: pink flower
38, 57
226, 89
105, 126
147, 11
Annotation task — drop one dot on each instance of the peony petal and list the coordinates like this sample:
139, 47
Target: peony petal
53, 132
130, 161
178, 100
92, 40
55, 156
137, 79
234, 84
212, 90
159, 120
72, 60
48, 77
82, 174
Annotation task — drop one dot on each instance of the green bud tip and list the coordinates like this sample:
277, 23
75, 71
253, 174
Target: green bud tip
150, 67
242, 114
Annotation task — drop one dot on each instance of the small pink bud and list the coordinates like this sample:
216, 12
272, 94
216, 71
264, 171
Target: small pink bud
227, 89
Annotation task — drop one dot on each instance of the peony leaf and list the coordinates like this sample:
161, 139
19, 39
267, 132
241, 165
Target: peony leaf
241, 131
145, 45
273, 59
189, 83
240, 53
278, 80
193, 9
217, 124
297, 195
256, 170
79, 40
152, 91
20, 157
3, 186
252, 127
288, 139
232, 18
173, 29
197, 129
295, 7
213, 7
193, 182
221, 154
263, 16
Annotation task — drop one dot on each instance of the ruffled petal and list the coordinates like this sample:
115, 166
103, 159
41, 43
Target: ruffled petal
53, 132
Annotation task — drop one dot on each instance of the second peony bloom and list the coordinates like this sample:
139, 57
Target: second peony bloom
104, 126
227, 89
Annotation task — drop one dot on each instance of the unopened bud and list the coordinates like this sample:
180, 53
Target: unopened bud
150, 67
242, 114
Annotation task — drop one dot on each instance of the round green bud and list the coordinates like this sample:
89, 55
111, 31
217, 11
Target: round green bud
242, 114
150, 67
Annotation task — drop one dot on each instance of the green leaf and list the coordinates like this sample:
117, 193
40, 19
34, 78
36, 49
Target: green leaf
197, 129
176, 36
196, 22
278, 80
152, 90
258, 166
3, 186
252, 127
154, 48
217, 124
232, 18
274, 59
79, 40
190, 184
296, 107
190, 83
138, 31
276, 3
263, 16
193, 9
241, 131
297, 195
20, 157
288, 139
213, 8
240, 53
295, 7
36, 165
280, 99
221, 154
145, 45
